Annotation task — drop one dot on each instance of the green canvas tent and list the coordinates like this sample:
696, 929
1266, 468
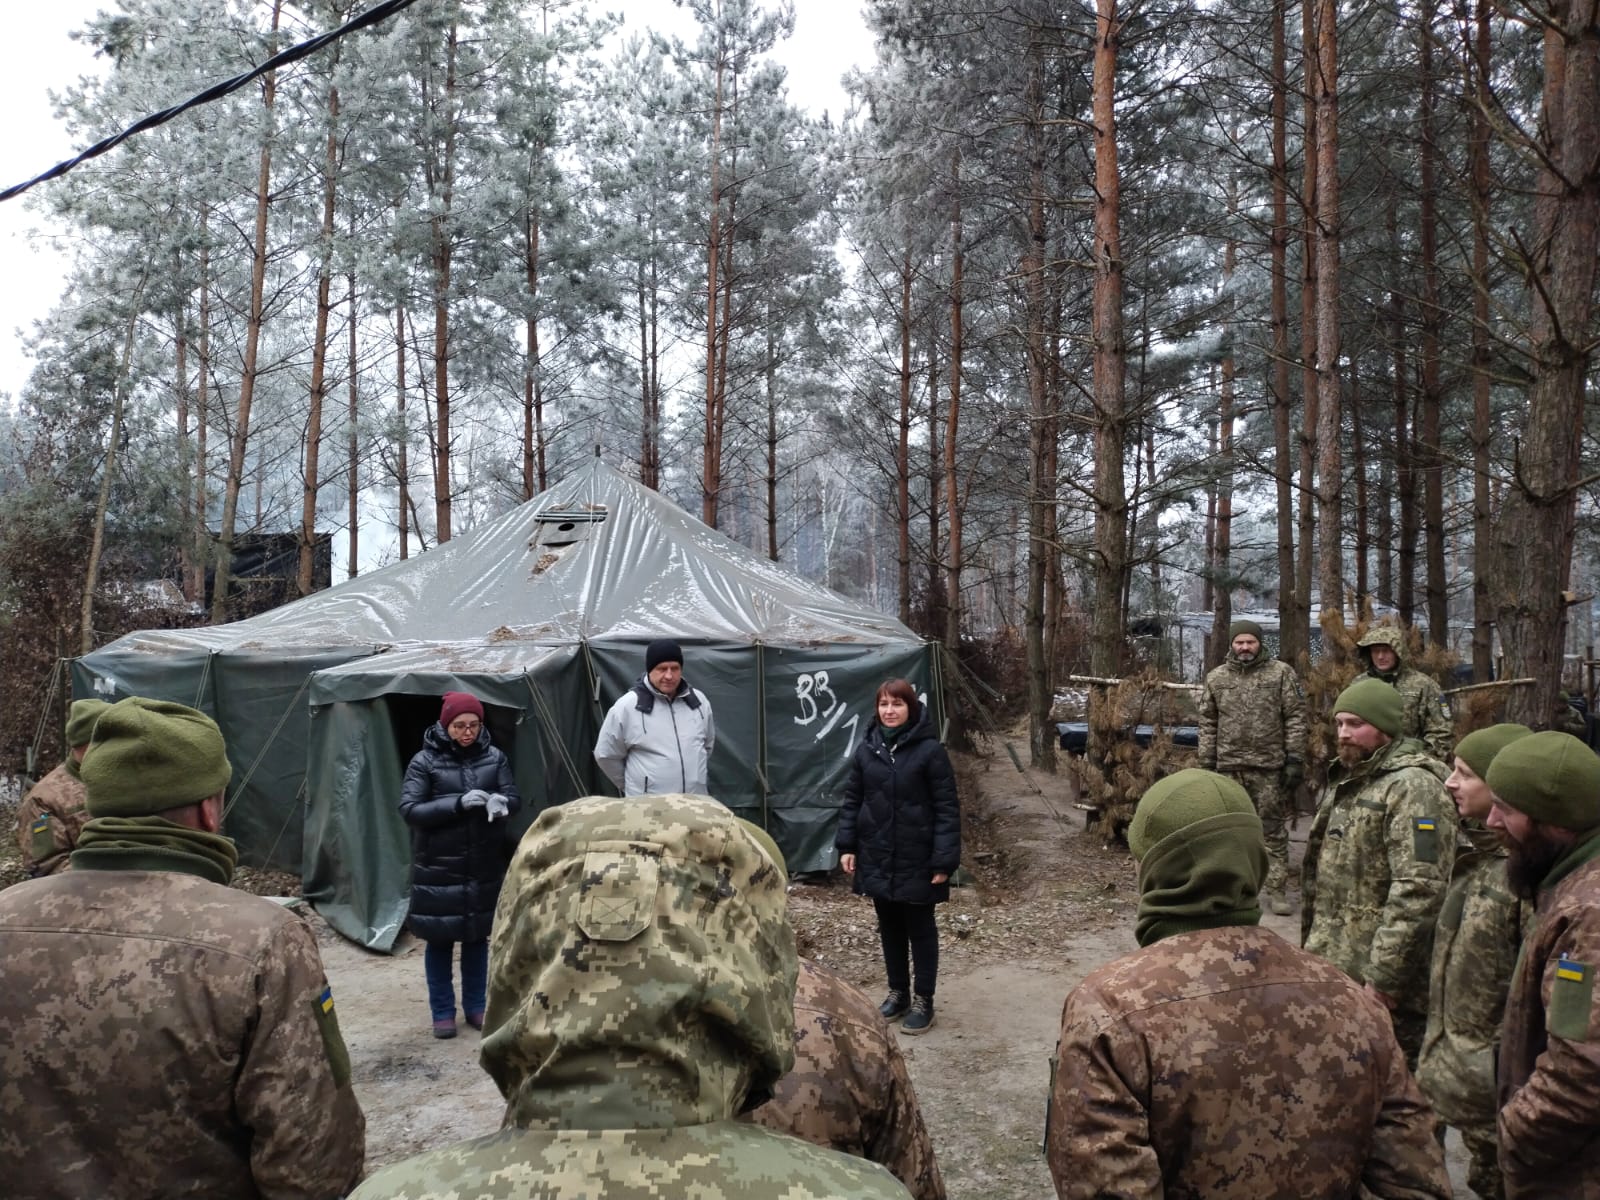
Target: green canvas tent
543, 614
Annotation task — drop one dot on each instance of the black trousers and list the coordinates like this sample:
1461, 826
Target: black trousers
904, 928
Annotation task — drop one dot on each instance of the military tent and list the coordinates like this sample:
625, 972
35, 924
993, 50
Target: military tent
543, 614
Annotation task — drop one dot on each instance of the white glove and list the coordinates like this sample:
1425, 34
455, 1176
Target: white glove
476, 798
498, 806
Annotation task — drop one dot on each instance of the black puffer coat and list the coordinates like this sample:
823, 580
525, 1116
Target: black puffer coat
901, 817
458, 855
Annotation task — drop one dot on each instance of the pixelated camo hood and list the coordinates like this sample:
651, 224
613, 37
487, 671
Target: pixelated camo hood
642, 968
1383, 635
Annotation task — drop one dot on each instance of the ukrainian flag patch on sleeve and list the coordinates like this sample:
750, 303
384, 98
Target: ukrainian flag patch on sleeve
1571, 1000
326, 999
332, 1040
1425, 839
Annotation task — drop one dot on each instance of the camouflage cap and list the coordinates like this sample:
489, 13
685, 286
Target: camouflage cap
147, 756
1383, 635
81, 717
1550, 776
1480, 747
1375, 702
642, 968
766, 842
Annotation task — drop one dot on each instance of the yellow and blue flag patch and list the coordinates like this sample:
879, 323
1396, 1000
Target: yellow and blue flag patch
325, 1001
41, 823
1571, 1000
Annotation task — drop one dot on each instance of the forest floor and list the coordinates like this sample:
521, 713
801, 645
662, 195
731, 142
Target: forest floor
1048, 901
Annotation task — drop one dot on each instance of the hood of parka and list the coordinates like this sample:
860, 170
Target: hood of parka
1384, 635
642, 968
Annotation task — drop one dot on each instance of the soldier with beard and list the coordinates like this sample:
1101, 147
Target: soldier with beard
1547, 811
1378, 858
1253, 730
1474, 953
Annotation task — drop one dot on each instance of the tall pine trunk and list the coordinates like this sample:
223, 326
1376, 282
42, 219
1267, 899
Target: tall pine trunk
952, 422
1431, 398
441, 234
311, 466
1533, 537
252, 340
1291, 647
1330, 573
902, 456
1477, 58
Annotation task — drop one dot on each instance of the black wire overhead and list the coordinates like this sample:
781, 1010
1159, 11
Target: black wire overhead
378, 12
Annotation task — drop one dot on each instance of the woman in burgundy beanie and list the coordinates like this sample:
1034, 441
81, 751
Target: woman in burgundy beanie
457, 797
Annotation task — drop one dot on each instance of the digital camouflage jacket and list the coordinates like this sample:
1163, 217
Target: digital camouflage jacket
167, 1036
1549, 1078
1227, 1063
1377, 861
50, 820
641, 993
1474, 952
1252, 716
1426, 715
849, 1089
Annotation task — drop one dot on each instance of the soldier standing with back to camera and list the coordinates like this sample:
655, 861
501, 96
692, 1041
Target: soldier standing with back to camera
1253, 730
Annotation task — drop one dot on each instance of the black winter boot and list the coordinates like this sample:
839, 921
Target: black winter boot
895, 1005
920, 1019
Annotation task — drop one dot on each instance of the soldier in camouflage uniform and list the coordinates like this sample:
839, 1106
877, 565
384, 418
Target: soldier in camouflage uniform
849, 1089
1474, 951
641, 995
51, 817
1379, 857
1219, 1060
1547, 810
1253, 730
1425, 715
165, 1034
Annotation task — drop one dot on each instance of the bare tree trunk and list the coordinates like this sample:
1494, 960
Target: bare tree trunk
201, 533
1307, 514
1222, 548
1432, 460
533, 466
1477, 58
352, 438
1405, 471
1110, 502
1534, 535
934, 617
1359, 458
442, 186
772, 436
1041, 485
902, 458
711, 457
1291, 648
252, 342
952, 424
402, 470
311, 467
180, 374
97, 541
1330, 574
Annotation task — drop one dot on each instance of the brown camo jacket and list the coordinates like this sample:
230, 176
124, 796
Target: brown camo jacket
1228, 1063
1549, 1070
849, 1090
164, 1037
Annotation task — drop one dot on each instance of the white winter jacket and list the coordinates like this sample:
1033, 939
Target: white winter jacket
652, 743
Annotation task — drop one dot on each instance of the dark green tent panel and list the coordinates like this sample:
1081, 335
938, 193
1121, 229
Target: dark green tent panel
544, 614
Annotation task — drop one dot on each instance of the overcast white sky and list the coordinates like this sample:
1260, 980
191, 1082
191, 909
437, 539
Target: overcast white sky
37, 56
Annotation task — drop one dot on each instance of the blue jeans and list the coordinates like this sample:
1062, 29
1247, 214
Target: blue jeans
437, 962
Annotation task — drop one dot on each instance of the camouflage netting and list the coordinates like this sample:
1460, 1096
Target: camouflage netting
1115, 770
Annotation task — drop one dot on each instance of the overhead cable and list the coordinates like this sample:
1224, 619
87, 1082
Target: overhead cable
378, 12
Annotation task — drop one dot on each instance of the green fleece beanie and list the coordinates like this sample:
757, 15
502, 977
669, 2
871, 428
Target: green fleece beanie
1179, 800
81, 717
1480, 747
1239, 627
1375, 702
147, 756
1551, 777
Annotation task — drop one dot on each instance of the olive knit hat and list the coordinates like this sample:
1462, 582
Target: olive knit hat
1480, 747
147, 756
1551, 777
81, 717
1375, 702
1179, 801
1250, 627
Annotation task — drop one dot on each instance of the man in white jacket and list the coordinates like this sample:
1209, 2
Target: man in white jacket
658, 736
